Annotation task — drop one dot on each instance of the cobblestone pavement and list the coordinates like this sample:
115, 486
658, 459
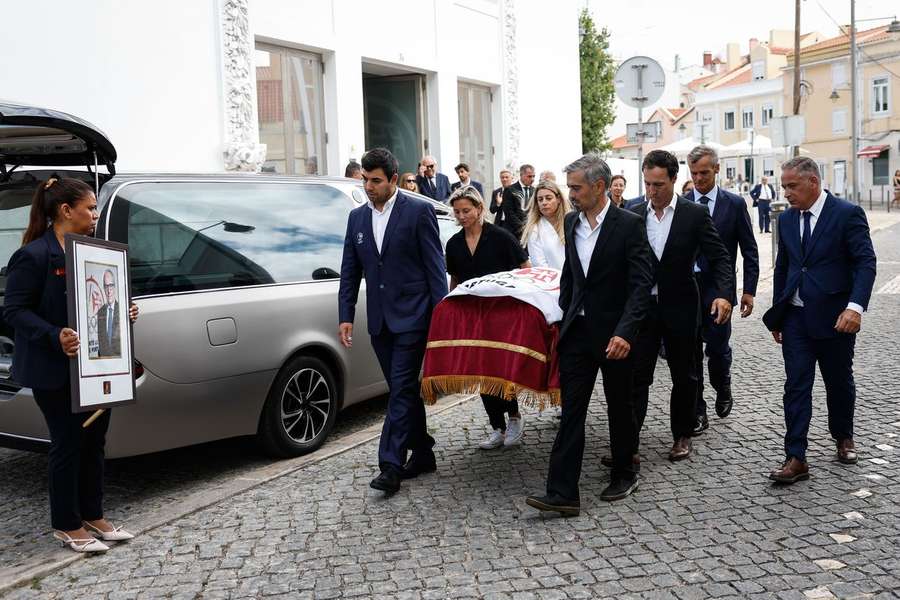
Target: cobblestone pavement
709, 527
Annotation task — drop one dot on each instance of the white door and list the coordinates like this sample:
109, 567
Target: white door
840, 178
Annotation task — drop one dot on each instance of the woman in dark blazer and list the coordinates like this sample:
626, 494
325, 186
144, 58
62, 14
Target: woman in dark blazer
35, 306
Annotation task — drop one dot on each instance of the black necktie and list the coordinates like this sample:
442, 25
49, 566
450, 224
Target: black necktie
704, 200
807, 231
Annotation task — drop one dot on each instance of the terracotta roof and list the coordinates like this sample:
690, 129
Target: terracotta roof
621, 142
741, 75
677, 112
862, 37
780, 50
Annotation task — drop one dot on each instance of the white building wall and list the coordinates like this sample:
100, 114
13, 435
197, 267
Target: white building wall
154, 83
151, 82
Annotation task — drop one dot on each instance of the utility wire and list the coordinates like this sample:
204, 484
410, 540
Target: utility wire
858, 47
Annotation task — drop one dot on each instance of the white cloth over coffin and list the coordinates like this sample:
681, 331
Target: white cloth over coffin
537, 286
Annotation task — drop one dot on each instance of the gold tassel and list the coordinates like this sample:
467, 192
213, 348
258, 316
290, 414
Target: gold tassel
444, 385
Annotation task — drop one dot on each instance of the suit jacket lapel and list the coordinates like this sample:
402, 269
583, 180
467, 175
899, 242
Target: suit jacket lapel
609, 224
641, 211
395, 216
573, 250
368, 231
677, 218
822, 223
719, 209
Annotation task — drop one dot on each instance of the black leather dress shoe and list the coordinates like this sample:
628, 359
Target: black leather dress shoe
416, 466
619, 489
724, 402
388, 482
701, 425
567, 508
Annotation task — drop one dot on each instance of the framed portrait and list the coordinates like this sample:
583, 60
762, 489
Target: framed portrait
98, 289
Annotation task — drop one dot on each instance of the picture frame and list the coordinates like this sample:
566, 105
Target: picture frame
98, 291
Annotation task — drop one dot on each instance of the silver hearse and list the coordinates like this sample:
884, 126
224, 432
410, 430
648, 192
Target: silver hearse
236, 277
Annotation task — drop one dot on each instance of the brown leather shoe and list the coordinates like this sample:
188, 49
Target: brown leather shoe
846, 452
792, 471
681, 449
607, 461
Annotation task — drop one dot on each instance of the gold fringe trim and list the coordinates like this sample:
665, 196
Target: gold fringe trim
444, 385
487, 344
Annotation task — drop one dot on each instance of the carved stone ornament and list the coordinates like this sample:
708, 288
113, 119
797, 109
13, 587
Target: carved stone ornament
511, 82
242, 152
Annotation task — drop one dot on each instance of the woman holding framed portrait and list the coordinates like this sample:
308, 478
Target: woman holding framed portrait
37, 309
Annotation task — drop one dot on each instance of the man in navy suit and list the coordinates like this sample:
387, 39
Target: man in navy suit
393, 241
763, 193
514, 202
732, 221
462, 171
824, 273
433, 184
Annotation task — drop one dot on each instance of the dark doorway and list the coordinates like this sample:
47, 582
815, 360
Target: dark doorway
395, 115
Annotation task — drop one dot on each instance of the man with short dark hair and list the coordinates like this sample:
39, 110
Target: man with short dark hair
604, 294
824, 273
353, 170
674, 316
732, 222
394, 242
462, 171
515, 201
763, 193
431, 183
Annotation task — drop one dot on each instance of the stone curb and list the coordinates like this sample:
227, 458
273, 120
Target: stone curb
14, 577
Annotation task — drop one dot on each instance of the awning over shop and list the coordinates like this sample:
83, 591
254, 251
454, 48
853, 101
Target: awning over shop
872, 151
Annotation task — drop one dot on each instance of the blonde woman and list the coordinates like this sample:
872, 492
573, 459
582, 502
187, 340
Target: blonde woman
543, 234
407, 181
479, 249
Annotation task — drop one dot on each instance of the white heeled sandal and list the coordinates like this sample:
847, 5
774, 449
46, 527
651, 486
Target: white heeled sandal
116, 535
89, 545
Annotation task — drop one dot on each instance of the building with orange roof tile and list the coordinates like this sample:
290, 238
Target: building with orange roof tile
825, 104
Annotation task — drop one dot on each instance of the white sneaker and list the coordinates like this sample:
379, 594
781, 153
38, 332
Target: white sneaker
514, 429
495, 440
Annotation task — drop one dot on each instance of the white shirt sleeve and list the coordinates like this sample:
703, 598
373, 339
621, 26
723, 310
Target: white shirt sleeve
536, 250
855, 307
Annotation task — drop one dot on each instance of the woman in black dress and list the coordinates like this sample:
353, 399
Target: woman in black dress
480, 249
35, 306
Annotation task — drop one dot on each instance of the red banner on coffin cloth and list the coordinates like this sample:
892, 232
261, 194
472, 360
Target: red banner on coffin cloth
499, 346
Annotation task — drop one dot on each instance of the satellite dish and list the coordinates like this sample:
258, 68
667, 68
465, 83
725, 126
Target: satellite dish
640, 81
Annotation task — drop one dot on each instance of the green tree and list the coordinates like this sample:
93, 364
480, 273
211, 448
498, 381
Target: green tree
598, 72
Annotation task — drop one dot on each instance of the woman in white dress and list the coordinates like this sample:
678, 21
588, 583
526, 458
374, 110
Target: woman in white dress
543, 234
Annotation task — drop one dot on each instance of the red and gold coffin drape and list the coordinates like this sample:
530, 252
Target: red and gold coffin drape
499, 346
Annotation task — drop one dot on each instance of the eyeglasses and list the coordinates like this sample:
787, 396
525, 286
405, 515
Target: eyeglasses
109, 286
410, 181
431, 166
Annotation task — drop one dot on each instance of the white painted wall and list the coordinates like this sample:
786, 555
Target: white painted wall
148, 80
149, 74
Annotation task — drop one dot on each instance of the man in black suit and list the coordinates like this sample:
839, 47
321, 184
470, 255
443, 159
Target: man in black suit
732, 221
462, 171
433, 184
108, 319
763, 193
506, 179
515, 201
678, 231
604, 294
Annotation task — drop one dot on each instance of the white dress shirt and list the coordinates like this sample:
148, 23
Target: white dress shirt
586, 238
816, 211
764, 192
545, 249
711, 194
380, 219
658, 230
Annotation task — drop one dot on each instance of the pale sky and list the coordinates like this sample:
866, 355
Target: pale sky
661, 29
